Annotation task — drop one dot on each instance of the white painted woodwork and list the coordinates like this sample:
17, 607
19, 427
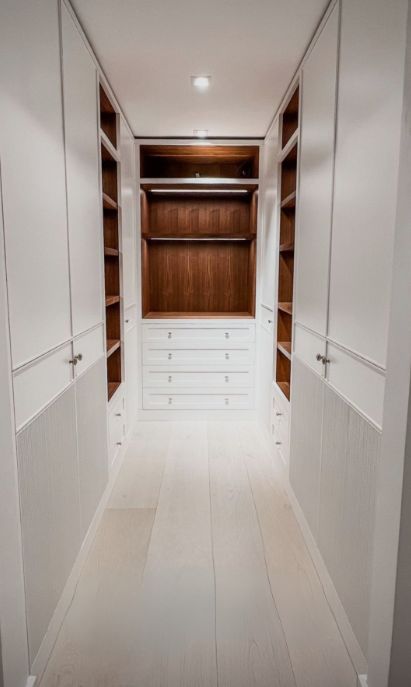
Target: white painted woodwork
152, 355
91, 415
317, 652
349, 461
200, 378
268, 201
116, 427
214, 399
316, 144
131, 369
128, 214
189, 334
130, 319
251, 646
33, 178
50, 510
305, 441
362, 384
280, 424
96, 642
40, 382
81, 130
307, 346
90, 346
371, 73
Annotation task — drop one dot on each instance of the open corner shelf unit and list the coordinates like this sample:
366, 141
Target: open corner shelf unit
111, 227
288, 173
198, 230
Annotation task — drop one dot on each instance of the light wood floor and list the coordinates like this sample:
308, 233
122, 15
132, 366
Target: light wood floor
199, 575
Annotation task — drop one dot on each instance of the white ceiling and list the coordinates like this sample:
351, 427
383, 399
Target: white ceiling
150, 48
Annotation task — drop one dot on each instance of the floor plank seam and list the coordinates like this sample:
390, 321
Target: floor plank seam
266, 568
212, 554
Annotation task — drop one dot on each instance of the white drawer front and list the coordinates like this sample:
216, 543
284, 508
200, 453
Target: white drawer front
36, 385
358, 382
156, 377
197, 356
307, 346
161, 400
116, 428
90, 347
197, 335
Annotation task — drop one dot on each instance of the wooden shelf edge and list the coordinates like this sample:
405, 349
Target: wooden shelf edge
286, 307
112, 252
153, 315
286, 248
112, 388
105, 141
149, 236
111, 300
289, 201
188, 183
284, 387
112, 346
109, 203
285, 348
289, 145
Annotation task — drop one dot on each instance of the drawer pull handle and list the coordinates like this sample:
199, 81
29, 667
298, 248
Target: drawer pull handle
170, 355
73, 361
278, 443
278, 414
227, 335
227, 356
226, 401
119, 443
127, 321
79, 356
118, 414
170, 379
269, 321
169, 335
170, 401
227, 378
322, 359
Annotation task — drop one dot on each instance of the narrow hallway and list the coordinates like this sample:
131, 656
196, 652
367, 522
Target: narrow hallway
199, 574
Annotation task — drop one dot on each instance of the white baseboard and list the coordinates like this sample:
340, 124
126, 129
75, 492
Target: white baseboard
31, 681
362, 681
40, 662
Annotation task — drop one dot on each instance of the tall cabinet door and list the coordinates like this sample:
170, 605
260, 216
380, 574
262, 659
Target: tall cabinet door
33, 176
316, 178
82, 165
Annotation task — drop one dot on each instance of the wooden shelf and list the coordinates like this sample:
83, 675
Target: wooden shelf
198, 315
109, 203
112, 345
199, 184
287, 247
113, 252
109, 152
198, 237
111, 300
285, 348
285, 388
112, 388
289, 146
286, 307
289, 201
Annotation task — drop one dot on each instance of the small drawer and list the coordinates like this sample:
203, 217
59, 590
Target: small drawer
116, 427
201, 379
197, 335
153, 355
87, 349
187, 400
37, 384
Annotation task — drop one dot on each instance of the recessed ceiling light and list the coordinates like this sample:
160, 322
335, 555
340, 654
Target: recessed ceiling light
201, 83
200, 133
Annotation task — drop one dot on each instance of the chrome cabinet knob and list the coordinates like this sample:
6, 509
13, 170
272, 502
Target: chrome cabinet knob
226, 401
227, 356
118, 414
170, 355
169, 335
79, 356
119, 443
278, 414
170, 401
226, 378
227, 335
322, 359
319, 357
278, 443
73, 361
170, 379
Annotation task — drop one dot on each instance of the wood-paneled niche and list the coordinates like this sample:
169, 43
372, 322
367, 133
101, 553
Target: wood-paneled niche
199, 228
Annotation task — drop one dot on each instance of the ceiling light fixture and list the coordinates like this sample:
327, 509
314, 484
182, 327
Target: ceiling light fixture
201, 83
200, 133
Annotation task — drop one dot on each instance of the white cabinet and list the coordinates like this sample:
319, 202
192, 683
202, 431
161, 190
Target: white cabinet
371, 74
87, 349
82, 167
268, 202
33, 177
317, 134
116, 427
131, 353
128, 214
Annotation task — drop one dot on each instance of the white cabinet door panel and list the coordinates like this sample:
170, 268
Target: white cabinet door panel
128, 214
38, 384
316, 179
268, 200
116, 428
360, 383
90, 347
83, 187
33, 178
307, 346
366, 172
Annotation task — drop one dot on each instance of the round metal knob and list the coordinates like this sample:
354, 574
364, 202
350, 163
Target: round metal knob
227, 335
170, 379
170, 400
227, 356
170, 355
319, 357
73, 361
278, 443
226, 378
169, 335
226, 401
278, 414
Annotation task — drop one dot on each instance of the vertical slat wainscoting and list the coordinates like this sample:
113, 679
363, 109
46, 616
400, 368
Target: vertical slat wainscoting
91, 393
306, 419
350, 455
50, 512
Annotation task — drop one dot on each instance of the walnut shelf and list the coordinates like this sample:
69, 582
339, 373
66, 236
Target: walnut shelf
286, 307
109, 203
286, 247
111, 300
289, 201
112, 388
111, 252
285, 388
112, 345
285, 348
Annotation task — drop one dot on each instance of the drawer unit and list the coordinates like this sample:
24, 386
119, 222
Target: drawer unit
200, 336
280, 426
116, 428
161, 399
201, 379
153, 355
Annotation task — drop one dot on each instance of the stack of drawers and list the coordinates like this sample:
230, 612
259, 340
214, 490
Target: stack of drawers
280, 425
190, 366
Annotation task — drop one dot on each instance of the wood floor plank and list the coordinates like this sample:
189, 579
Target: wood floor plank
139, 480
175, 640
95, 647
317, 651
251, 647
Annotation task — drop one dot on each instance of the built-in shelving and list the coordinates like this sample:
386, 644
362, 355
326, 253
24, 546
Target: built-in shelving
199, 227
110, 164
288, 174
